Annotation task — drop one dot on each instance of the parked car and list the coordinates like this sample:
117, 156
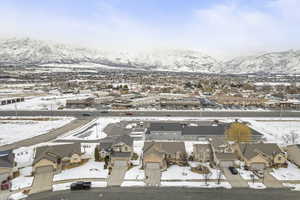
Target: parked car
81, 185
128, 113
5, 185
233, 170
86, 114
104, 111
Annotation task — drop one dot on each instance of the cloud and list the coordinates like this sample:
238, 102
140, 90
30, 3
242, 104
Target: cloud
223, 30
232, 29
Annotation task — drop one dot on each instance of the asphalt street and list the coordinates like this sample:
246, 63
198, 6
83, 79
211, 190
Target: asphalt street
84, 113
146, 193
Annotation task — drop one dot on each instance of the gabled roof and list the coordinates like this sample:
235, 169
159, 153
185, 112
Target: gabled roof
203, 130
249, 150
55, 152
108, 142
7, 159
164, 147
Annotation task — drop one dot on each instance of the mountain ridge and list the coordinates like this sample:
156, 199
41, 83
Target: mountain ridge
26, 51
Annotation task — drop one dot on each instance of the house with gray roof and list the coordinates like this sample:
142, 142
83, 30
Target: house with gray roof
261, 155
117, 150
7, 164
164, 154
57, 156
185, 131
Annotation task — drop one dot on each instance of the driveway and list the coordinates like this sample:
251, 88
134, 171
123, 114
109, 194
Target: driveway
271, 182
117, 175
152, 174
235, 180
42, 179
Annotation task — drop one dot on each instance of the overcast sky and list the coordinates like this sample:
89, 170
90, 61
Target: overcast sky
220, 28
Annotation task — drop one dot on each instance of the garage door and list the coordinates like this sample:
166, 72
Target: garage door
226, 163
257, 166
44, 169
120, 163
152, 165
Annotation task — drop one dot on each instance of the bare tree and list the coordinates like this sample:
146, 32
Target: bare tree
291, 137
206, 177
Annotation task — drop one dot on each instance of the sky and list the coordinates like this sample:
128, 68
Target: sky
220, 28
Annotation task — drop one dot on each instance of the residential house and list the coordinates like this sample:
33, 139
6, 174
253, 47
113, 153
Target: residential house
118, 150
202, 152
223, 154
57, 156
7, 164
293, 152
261, 155
163, 153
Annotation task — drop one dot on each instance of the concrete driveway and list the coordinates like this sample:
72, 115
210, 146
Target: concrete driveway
42, 179
235, 180
271, 182
117, 176
152, 175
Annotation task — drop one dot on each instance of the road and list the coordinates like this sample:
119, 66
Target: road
146, 193
79, 113
51, 135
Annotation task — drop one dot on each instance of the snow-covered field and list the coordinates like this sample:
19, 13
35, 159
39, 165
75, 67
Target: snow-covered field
44, 103
16, 130
175, 172
91, 169
195, 184
292, 172
256, 185
135, 173
278, 130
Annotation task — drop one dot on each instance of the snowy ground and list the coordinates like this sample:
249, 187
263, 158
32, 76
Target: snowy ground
135, 173
21, 182
17, 196
246, 174
276, 130
133, 184
195, 184
44, 103
295, 187
256, 185
91, 169
292, 172
175, 172
16, 130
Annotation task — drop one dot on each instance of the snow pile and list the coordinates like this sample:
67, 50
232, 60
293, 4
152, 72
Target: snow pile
133, 184
135, 173
17, 196
24, 156
195, 184
246, 174
21, 182
256, 185
16, 130
295, 187
292, 172
91, 169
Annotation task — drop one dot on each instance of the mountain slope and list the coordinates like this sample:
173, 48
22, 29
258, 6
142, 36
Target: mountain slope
276, 62
20, 52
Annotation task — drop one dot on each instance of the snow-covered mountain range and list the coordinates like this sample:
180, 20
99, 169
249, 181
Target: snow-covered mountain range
28, 52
